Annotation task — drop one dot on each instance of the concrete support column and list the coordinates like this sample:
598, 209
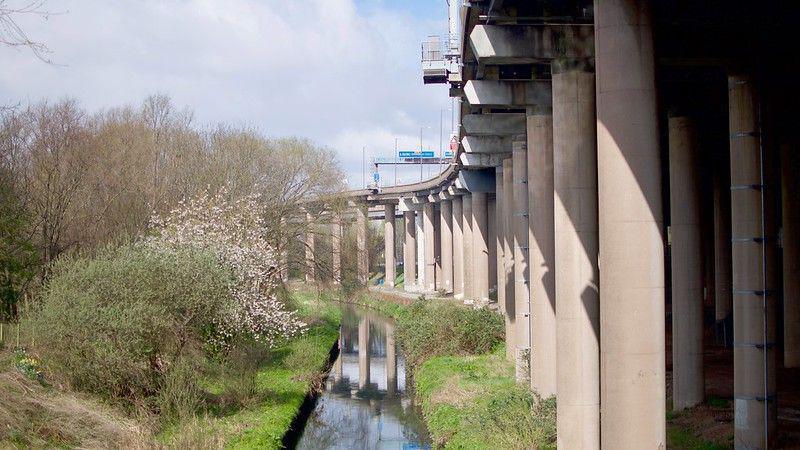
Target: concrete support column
790, 167
754, 262
391, 361
458, 248
430, 254
410, 251
491, 216
508, 252
723, 301
521, 283
687, 270
336, 249
420, 251
466, 222
480, 247
542, 254
499, 219
446, 227
363, 353
361, 244
388, 244
630, 228
575, 246
437, 246
309, 250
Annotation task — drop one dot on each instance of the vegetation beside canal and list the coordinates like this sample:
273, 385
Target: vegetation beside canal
462, 380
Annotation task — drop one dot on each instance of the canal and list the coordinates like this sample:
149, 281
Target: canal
366, 403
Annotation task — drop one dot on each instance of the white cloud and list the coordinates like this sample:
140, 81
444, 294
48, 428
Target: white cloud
343, 75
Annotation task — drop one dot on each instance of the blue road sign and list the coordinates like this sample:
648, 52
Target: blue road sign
376, 177
415, 154
448, 154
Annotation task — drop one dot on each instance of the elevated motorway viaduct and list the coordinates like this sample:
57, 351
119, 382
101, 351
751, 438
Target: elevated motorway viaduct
627, 179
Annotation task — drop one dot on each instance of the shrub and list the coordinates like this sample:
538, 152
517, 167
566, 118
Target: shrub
441, 328
123, 324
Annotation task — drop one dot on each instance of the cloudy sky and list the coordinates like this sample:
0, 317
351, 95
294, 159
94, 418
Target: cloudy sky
344, 73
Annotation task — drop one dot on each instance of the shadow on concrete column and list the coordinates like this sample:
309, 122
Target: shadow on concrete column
508, 251
521, 274
430, 252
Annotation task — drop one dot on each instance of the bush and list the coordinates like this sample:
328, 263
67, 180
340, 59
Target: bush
431, 328
127, 323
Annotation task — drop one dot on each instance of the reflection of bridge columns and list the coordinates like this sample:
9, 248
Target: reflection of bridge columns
687, 270
391, 360
630, 220
336, 248
309, 249
409, 251
338, 367
520, 230
508, 251
542, 253
466, 225
446, 227
361, 244
388, 242
754, 265
363, 352
575, 248
480, 246
458, 248
430, 253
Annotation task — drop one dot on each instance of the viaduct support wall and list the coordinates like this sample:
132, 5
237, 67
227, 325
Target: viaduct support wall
410, 251
499, 237
458, 248
687, 266
576, 274
361, 244
630, 228
754, 265
446, 227
480, 248
388, 244
521, 291
542, 254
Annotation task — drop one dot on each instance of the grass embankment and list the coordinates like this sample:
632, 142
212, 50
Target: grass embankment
276, 391
462, 379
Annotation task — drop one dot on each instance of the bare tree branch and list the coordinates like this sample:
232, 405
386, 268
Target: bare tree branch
13, 35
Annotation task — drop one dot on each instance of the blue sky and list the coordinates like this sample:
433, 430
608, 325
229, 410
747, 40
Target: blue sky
345, 73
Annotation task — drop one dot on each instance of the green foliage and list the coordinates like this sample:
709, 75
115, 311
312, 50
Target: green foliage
431, 328
473, 402
129, 323
28, 366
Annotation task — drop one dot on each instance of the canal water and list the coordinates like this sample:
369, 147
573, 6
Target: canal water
366, 403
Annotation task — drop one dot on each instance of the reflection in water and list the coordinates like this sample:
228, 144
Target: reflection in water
365, 404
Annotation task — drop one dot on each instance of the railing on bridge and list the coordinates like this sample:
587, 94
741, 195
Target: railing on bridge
439, 57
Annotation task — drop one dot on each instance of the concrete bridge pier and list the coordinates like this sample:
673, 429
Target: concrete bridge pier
754, 268
420, 251
446, 244
631, 262
430, 252
309, 250
499, 236
388, 244
723, 301
409, 251
687, 269
466, 221
575, 247
508, 251
519, 222
458, 248
790, 163
491, 227
336, 248
480, 247
361, 244
542, 253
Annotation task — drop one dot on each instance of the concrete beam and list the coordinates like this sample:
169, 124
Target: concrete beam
486, 144
478, 180
525, 44
497, 124
481, 160
494, 93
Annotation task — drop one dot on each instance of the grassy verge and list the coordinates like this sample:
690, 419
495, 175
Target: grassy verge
473, 402
276, 390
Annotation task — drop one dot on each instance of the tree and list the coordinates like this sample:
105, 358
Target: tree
12, 35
